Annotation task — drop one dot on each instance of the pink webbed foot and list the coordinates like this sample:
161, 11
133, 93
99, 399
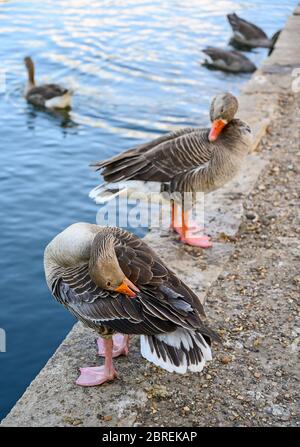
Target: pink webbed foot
196, 241
96, 375
120, 345
193, 236
190, 233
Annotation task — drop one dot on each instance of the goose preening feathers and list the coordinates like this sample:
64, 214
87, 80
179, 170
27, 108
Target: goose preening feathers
50, 96
246, 35
113, 282
229, 61
189, 160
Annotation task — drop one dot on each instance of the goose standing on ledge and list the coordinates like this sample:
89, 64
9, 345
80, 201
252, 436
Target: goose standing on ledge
229, 61
189, 160
113, 282
246, 35
48, 95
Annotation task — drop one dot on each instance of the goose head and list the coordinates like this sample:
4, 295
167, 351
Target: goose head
104, 267
222, 110
28, 62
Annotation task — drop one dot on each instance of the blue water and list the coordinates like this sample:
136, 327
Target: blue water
135, 69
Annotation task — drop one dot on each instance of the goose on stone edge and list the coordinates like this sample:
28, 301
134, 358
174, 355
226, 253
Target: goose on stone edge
113, 282
189, 160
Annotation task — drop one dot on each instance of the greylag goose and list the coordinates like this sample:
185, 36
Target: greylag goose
113, 282
48, 95
246, 35
189, 160
229, 61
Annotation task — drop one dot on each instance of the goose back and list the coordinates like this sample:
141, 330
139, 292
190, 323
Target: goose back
226, 159
230, 61
185, 161
49, 95
247, 29
246, 34
163, 303
69, 249
165, 312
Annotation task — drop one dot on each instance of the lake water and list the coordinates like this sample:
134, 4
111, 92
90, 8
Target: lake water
134, 66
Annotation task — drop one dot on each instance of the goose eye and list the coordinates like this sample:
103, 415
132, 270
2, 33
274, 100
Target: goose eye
108, 283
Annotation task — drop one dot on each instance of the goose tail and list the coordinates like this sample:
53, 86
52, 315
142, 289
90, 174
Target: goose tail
60, 102
106, 192
131, 189
233, 19
180, 351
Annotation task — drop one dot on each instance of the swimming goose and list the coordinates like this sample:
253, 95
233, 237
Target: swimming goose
189, 160
47, 95
112, 282
229, 61
246, 35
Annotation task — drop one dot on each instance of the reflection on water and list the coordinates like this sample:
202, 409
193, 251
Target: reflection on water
134, 66
61, 117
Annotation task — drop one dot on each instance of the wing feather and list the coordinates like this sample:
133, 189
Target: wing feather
161, 159
163, 303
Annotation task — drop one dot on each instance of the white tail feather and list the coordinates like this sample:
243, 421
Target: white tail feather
59, 102
133, 188
189, 347
102, 194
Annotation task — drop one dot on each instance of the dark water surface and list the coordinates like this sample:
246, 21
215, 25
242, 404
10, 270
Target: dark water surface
134, 67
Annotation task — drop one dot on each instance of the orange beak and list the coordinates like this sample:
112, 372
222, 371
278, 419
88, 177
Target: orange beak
216, 129
127, 288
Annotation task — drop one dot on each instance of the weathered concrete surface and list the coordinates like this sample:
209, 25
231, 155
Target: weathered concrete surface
223, 212
255, 304
52, 399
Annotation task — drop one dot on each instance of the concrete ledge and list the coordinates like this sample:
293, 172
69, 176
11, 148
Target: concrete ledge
52, 399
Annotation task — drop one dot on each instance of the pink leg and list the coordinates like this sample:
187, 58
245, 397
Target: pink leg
189, 231
120, 345
99, 374
193, 235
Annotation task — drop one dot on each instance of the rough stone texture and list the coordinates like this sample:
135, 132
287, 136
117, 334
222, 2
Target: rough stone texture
253, 304
54, 400
223, 212
254, 377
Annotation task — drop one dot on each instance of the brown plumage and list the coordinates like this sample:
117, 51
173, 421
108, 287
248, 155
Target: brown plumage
46, 95
229, 61
186, 160
164, 311
246, 35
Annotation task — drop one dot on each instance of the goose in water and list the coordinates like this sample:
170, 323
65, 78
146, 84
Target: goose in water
48, 95
230, 61
189, 160
246, 35
113, 282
